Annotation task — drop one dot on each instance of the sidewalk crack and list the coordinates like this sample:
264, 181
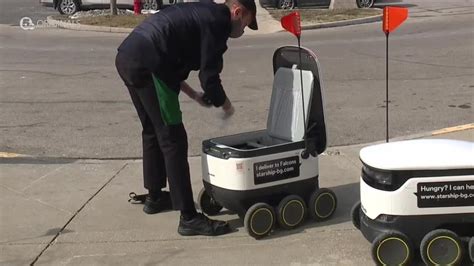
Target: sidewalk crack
42, 177
77, 212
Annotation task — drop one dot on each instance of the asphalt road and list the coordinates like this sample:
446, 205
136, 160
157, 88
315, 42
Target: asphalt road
11, 11
61, 96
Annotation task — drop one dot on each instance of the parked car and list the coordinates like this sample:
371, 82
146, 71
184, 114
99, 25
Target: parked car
290, 4
70, 7
365, 3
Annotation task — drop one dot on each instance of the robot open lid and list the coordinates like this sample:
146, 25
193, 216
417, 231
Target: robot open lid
248, 173
285, 127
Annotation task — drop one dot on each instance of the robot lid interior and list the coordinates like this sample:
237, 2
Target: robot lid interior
285, 119
420, 154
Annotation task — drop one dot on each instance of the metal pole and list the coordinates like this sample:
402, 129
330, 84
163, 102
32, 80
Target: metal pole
386, 87
302, 91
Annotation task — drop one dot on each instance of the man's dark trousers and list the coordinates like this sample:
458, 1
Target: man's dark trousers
165, 147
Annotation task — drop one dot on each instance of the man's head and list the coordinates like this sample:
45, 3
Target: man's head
242, 14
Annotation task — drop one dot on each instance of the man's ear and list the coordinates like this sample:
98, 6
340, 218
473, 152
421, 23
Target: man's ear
237, 10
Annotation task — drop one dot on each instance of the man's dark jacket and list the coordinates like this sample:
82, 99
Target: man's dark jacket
182, 38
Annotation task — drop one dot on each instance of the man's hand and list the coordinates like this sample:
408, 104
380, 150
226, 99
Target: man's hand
228, 109
198, 98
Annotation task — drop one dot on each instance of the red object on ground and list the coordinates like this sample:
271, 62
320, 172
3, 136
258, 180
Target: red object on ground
137, 7
292, 23
393, 17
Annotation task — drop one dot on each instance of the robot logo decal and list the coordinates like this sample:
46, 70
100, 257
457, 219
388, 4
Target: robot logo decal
445, 194
269, 171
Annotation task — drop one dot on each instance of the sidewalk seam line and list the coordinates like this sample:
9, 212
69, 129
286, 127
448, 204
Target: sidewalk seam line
12, 190
76, 213
49, 205
23, 194
41, 178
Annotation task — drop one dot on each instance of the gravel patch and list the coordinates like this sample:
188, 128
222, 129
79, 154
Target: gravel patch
99, 12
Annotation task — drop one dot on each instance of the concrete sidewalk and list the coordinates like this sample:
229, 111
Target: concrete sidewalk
76, 213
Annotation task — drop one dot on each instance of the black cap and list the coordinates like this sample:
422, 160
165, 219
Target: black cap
250, 5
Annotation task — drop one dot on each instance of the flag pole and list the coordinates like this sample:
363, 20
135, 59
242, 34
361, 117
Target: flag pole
392, 18
292, 23
302, 90
386, 87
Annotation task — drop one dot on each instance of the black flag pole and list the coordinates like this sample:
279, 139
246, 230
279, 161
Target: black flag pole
305, 153
292, 23
386, 87
302, 90
392, 18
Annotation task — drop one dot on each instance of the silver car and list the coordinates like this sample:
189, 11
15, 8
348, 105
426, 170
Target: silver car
70, 7
365, 3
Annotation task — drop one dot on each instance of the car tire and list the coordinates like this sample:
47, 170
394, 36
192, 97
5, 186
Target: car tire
365, 3
152, 4
285, 4
68, 7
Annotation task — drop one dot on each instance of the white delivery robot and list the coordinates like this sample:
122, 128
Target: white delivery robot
271, 175
418, 195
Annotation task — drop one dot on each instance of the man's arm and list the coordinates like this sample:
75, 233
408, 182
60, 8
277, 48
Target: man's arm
197, 96
212, 51
188, 90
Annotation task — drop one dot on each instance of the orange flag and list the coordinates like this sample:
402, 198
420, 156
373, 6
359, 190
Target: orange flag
292, 23
393, 17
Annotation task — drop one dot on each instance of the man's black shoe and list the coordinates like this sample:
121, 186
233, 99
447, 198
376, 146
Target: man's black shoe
201, 225
157, 205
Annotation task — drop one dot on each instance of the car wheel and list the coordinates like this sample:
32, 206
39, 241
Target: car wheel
151, 4
285, 4
365, 3
68, 7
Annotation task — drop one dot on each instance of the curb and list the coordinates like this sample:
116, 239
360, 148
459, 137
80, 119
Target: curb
80, 27
12, 156
426, 134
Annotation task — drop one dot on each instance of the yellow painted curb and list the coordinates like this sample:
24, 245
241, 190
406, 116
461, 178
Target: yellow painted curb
453, 129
